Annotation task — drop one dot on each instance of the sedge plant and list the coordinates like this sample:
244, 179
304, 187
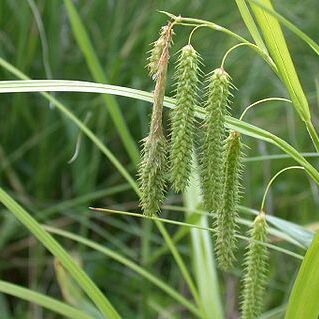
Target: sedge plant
199, 155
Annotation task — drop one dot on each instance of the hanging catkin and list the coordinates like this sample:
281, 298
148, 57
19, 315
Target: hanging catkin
211, 157
255, 270
228, 213
153, 167
183, 118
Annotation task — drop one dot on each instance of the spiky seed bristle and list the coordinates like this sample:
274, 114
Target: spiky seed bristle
211, 159
226, 216
157, 50
183, 118
152, 173
255, 270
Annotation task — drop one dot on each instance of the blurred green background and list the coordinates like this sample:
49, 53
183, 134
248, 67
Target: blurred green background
37, 142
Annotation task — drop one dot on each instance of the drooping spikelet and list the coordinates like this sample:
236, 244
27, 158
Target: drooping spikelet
183, 118
226, 216
255, 270
152, 173
157, 50
211, 161
153, 167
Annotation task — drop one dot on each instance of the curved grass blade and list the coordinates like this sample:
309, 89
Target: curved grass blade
72, 293
253, 131
42, 300
303, 300
113, 160
302, 235
275, 157
79, 86
92, 291
128, 263
184, 224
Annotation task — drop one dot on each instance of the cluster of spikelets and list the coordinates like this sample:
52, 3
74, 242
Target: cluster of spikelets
227, 213
255, 276
183, 118
212, 149
220, 160
220, 166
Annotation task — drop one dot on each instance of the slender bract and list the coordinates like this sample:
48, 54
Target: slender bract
255, 270
183, 118
153, 166
211, 160
226, 216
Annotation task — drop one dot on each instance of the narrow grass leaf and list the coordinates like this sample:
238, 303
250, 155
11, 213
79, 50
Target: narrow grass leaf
68, 86
178, 223
42, 300
98, 74
303, 300
66, 260
128, 263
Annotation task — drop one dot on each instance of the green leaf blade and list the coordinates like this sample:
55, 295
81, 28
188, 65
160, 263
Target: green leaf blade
66, 260
303, 301
279, 51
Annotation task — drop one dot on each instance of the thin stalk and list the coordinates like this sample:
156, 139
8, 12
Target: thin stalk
262, 101
272, 180
313, 134
211, 25
192, 32
178, 223
263, 54
92, 291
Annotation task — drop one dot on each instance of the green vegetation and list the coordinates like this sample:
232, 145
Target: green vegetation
69, 146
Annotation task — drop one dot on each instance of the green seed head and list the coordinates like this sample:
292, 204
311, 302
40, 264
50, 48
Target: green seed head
152, 171
183, 118
255, 270
157, 50
211, 161
226, 216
